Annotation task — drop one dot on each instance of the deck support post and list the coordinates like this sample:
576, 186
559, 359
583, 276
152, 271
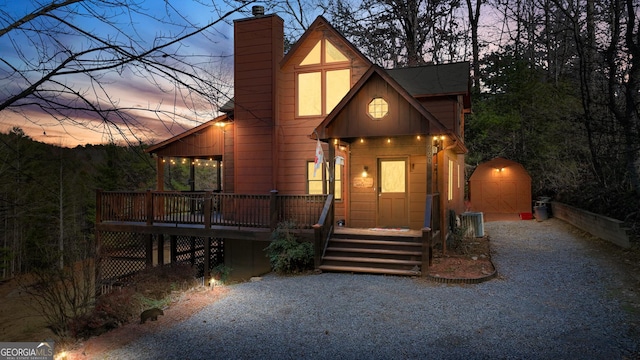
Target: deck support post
273, 209
173, 249
206, 271
208, 199
160, 249
318, 245
148, 244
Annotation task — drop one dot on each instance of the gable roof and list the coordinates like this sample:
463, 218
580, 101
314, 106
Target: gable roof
320, 21
434, 124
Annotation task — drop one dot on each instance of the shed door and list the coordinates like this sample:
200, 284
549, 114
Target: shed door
392, 193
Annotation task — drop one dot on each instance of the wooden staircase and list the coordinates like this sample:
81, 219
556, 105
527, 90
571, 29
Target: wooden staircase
374, 253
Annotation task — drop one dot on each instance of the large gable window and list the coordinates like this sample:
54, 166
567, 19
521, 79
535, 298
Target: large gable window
321, 83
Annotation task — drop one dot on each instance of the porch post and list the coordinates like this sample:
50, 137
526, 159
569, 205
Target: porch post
273, 210
332, 169
429, 166
427, 234
192, 174
159, 173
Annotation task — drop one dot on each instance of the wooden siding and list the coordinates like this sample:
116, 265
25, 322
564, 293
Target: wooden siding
295, 147
354, 121
364, 200
228, 184
259, 47
207, 142
506, 191
444, 109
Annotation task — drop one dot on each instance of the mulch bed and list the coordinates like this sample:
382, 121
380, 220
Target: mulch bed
466, 261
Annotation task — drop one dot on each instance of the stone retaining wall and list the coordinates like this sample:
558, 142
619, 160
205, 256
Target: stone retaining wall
601, 226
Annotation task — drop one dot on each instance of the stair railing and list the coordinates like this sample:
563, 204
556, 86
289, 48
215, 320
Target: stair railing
431, 227
323, 230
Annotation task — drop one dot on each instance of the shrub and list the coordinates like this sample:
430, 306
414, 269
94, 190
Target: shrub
287, 253
148, 289
111, 311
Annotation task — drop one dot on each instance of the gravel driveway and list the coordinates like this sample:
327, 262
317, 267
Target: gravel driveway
557, 297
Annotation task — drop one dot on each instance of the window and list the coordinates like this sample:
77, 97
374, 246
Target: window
378, 108
319, 90
316, 185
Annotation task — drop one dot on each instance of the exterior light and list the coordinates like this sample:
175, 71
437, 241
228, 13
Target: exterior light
364, 171
388, 140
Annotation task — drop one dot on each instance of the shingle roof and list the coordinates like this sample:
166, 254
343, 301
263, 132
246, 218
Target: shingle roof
433, 79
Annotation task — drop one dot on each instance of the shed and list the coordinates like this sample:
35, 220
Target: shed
500, 186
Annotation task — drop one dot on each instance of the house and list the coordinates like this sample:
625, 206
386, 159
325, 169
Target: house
384, 148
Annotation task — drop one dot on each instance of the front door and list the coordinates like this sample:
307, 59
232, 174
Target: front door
392, 193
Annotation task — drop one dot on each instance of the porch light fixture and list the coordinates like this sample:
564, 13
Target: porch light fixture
388, 140
221, 124
438, 143
364, 171
418, 137
361, 140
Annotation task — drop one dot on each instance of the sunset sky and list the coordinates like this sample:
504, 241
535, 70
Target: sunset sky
131, 91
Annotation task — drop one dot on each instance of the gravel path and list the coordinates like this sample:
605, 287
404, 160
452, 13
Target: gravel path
556, 298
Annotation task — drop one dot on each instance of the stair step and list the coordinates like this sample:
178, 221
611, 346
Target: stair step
372, 260
375, 242
374, 251
370, 270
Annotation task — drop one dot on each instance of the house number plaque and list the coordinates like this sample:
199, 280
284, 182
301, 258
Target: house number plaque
362, 182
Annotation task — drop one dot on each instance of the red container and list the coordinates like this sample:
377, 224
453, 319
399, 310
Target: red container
526, 216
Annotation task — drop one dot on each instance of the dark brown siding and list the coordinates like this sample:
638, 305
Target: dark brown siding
258, 51
444, 109
402, 119
204, 143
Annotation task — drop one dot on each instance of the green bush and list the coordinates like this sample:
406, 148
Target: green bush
287, 253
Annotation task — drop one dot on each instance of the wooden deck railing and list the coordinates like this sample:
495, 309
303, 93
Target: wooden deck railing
432, 231
323, 230
208, 208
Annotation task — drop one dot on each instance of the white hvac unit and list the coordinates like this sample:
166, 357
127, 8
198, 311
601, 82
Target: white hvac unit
473, 222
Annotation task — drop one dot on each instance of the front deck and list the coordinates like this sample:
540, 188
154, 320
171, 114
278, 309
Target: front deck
207, 228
